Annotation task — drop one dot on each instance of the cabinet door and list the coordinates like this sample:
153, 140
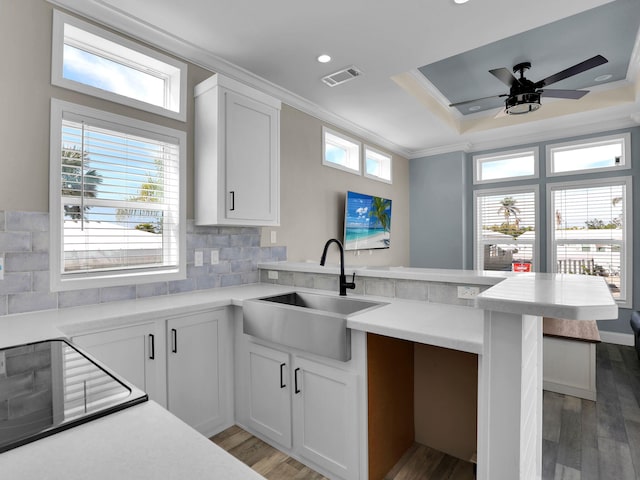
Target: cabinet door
132, 352
270, 393
325, 417
251, 159
193, 370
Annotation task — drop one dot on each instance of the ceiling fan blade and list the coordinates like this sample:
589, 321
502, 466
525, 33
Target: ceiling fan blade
571, 71
475, 100
571, 94
505, 76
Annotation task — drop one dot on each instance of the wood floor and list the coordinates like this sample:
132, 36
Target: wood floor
263, 458
419, 463
586, 440
582, 440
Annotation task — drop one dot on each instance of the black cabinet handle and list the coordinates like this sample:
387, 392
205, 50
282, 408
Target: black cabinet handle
233, 200
295, 377
174, 340
152, 347
282, 384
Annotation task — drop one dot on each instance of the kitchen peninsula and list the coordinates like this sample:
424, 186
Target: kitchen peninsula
504, 329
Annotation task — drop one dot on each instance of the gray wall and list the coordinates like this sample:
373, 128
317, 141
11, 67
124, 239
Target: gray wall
438, 190
430, 198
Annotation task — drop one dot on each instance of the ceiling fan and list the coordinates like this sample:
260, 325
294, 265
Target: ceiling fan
524, 95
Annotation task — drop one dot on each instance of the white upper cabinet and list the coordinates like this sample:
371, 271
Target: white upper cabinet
237, 154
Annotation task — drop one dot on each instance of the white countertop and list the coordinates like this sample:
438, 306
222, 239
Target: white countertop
448, 326
573, 297
141, 442
146, 441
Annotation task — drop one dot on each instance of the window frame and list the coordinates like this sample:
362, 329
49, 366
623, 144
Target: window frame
346, 138
369, 148
505, 191
594, 141
99, 279
175, 93
627, 254
505, 155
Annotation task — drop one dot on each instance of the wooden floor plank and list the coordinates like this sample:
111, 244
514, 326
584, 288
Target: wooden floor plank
551, 416
268, 463
615, 460
570, 443
566, 473
231, 438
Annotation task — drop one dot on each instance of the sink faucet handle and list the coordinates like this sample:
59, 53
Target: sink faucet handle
352, 284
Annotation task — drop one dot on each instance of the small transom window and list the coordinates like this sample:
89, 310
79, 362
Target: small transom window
599, 154
340, 151
377, 165
94, 61
501, 167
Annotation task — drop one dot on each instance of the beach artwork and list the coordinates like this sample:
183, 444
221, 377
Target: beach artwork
367, 222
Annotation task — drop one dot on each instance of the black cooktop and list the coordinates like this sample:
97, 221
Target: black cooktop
50, 386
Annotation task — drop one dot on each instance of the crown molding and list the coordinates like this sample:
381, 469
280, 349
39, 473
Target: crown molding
101, 12
441, 150
604, 124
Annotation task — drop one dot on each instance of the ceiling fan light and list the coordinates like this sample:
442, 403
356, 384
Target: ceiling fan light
522, 103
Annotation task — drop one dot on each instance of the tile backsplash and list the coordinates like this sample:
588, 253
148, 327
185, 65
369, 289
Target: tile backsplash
24, 242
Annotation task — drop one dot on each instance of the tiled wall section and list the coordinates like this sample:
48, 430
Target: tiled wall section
436, 292
24, 243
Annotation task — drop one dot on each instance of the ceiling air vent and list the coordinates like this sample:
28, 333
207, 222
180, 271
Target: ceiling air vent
342, 76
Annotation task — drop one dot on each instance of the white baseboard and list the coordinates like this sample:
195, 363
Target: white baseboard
569, 390
617, 338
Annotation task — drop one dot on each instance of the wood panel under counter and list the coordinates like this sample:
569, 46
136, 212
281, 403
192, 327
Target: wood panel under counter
419, 393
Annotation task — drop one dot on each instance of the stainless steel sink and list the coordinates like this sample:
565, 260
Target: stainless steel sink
311, 322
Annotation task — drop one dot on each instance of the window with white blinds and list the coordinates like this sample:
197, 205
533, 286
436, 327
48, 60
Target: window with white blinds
116, 198
505, 229
589, 222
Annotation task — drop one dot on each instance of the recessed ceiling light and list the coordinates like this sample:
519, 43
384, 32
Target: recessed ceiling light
602, 78
324, 58
460, 2
475, 108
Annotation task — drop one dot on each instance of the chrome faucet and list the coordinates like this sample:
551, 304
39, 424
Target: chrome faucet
343, 279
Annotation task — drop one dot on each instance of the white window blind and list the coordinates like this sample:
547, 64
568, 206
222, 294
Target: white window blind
120, 199
589, 232
117, 200
505, 230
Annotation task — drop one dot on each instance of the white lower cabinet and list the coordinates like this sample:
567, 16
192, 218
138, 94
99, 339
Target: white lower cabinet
305, 406
184, 363
193, 370
325, 417
269, 400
